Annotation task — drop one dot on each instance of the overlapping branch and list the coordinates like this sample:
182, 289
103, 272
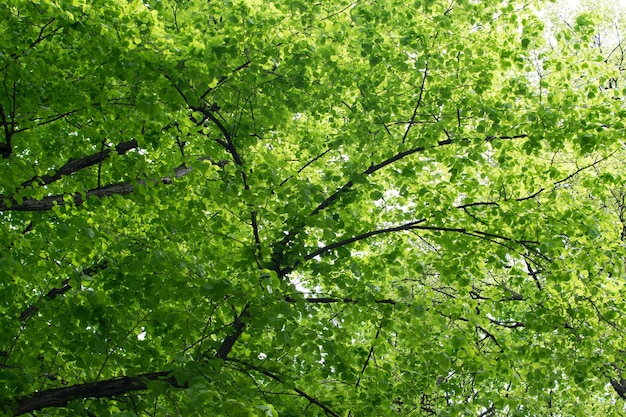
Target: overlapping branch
62, 289
120, 188
530, 196
76, 164
280, 246
414, 225
245, 366
60, 397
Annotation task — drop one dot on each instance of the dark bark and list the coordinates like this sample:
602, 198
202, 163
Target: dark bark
75, 165
47, 203
54, 292
277, 378
120, 188
229, 341
619, 387
5, 150
60, 397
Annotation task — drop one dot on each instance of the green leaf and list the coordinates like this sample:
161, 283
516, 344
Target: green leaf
321, 208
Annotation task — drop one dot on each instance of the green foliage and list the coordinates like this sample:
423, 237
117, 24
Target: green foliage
246, 208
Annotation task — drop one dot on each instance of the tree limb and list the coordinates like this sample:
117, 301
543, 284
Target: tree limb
229, 146
54, 292
332, 300
414, 225
279, 247
417, 105
60, 397
619, 387
541, 190
369, 355
47, 203
277, 378
229, 341
74, 165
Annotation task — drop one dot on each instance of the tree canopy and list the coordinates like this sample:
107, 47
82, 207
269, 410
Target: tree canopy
298, 208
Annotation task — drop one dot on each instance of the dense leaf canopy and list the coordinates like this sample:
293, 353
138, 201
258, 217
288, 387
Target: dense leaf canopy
299, 208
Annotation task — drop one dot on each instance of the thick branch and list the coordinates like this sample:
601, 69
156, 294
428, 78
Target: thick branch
229, 341
619, 387
60, 397
120, 188
74, 165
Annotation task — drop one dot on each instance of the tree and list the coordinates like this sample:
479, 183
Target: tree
298, 208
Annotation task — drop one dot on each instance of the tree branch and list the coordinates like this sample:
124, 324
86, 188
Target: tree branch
305, 166
369, 355
74, 165
120, 188
541, 190
619, 387
229, 145
417, 106
60, 397
275, 377
6, 149
414, 225
328, 248
332, 300
279, 247
229, 341
54, 292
